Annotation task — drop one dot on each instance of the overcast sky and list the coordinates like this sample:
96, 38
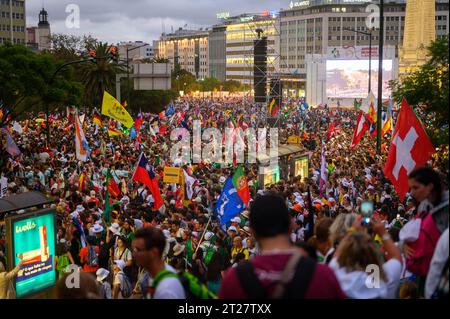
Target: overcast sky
141, 20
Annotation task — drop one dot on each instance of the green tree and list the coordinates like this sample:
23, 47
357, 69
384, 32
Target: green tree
25, 81
209, 84
427, 91
70, 47
232, 86
100, 76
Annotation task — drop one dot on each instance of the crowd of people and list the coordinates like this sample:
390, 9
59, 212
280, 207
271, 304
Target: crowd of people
292, 241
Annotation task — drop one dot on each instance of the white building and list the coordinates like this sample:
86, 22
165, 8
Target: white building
137, 50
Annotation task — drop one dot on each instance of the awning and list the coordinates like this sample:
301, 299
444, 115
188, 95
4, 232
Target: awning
22, 201
283, 150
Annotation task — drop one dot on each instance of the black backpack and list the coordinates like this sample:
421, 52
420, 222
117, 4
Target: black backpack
294, 281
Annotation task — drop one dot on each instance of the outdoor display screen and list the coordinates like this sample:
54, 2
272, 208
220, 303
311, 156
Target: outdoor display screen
350, 78
271, 175
33, 236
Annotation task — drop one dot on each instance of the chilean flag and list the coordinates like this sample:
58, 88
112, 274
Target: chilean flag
144, 173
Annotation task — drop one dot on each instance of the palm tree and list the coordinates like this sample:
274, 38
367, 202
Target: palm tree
100, 76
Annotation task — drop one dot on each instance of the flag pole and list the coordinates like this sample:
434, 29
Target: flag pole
203, 235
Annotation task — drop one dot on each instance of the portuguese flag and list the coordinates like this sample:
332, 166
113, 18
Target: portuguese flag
111, 185
240, 183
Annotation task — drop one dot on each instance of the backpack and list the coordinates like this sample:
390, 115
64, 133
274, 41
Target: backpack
92, 259
125, 285
192, 286
293, 284
424, 246
139, 200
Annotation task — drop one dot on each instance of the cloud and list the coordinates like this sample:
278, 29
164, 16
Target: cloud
120, 20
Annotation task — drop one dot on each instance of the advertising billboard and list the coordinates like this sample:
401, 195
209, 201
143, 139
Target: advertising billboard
33, 238
270, 176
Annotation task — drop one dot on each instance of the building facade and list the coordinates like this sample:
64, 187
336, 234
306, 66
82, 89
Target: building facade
38, 38
241, 31
137, 50
187, 48
310, 27
12, 21
217, 52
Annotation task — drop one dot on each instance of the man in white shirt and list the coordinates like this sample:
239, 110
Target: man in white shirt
148, 247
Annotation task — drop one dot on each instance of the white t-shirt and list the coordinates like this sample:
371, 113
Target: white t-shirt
168, 288
358, 285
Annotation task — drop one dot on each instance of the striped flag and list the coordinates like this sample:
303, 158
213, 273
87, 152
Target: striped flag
81, 147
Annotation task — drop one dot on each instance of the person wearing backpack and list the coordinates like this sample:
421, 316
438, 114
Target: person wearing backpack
426, 189
148, 246
89, 256
104, 286
280, 271
122, 287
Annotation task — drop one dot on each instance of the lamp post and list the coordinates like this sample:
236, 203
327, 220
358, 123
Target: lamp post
128, 69
380, 76
370, 52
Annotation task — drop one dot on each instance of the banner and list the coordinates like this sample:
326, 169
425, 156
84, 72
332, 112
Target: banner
171, 175
112, 108
293, 139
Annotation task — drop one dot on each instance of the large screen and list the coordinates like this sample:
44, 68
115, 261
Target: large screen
32, 237
350, 78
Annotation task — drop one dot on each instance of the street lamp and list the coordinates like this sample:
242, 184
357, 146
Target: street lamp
128, 69
380, 76
370, 51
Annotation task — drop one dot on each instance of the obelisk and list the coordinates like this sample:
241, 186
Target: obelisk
418, 34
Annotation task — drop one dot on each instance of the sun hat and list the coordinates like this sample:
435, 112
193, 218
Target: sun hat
178, 249
97, 228
101, 273
222, 179
233, 229
236, 220
120, 263
115, 229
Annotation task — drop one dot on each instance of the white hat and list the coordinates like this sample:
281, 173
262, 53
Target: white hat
62, 240
101, 273
80, 208
195, 234
172, 202
125, 198
92, 193
209, 235
331, 199
236, 220
97, 228
198, 199
245, 214
233, 229
120, 263
222, 179
115, 228
178, 249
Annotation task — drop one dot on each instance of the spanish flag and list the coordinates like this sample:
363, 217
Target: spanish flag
97, 120
112, 108
114, 132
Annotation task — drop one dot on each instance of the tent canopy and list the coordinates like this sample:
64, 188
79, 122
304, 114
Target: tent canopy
22, 201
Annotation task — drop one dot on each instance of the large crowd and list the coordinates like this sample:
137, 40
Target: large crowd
293, 240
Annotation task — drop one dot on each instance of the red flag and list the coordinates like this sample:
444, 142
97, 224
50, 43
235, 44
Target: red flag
360, 129
162, 129
144, 174
111, 185
410, 148
138, 122
332, 130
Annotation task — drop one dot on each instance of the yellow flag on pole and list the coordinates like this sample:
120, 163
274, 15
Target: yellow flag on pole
112, 108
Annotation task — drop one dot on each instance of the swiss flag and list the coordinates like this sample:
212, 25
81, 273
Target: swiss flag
410, 148
361, 127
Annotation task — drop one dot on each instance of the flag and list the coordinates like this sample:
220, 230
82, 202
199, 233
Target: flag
332, 130
229, 203
111, 185
107, 209
112, 108
170, 110
189, 182
81, 117
240, 183
133, 133
323, 171
410, 148
114, 132
17, 127
144, 174
138, 122
80, 230
81, 182
97, 120
387, 124
11, 146
162, 129
273, 108
81, 147
361, 127
69, 111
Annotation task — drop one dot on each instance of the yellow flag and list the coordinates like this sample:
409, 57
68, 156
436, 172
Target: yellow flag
112, 108
114, 132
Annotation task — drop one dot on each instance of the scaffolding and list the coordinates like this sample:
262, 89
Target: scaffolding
269, 26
